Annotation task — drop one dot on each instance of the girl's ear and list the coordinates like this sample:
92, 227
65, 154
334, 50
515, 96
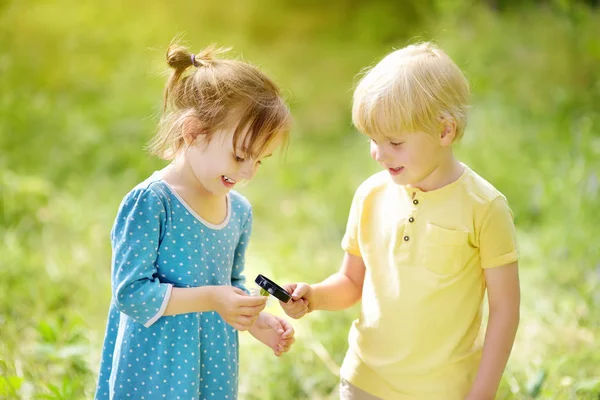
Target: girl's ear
191, 130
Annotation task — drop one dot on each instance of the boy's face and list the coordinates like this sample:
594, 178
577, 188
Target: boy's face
410, 158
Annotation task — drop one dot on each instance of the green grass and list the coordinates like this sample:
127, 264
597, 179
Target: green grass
80, 88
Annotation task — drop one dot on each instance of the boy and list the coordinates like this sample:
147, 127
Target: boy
424, 239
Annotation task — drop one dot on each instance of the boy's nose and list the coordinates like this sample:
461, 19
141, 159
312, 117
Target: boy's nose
379, 154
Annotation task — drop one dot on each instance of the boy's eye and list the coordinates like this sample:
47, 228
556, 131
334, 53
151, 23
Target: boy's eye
238, 158
396, 143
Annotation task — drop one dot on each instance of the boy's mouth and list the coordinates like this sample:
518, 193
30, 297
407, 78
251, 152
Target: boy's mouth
227, 181
395, 171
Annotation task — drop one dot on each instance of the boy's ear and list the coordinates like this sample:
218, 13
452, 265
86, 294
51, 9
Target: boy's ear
191, 129
448, 130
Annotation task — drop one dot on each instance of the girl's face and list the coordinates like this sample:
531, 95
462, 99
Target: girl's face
217, 167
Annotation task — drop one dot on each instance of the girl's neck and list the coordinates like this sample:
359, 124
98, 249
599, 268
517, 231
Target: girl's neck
181, 177
209, 207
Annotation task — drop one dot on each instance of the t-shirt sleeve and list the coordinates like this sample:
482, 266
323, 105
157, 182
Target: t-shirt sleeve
350, 240
137, 291
497, 243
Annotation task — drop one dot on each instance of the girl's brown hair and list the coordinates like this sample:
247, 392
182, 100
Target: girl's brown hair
216, 94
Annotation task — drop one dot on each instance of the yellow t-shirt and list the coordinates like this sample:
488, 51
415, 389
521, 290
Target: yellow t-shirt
424, 254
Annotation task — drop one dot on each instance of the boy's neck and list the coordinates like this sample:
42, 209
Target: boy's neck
444, 174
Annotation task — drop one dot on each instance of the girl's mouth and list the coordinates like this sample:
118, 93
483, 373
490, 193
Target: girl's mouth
228, 182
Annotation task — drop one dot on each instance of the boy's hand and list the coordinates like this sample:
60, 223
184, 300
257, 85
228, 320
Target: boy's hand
300, 304
273, 331
236, 307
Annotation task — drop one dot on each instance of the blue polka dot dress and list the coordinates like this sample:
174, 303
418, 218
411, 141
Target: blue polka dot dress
159, 243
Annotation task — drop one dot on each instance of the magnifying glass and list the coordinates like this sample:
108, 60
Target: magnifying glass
272, 288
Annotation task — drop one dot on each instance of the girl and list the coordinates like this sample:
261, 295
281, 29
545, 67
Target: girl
180, 236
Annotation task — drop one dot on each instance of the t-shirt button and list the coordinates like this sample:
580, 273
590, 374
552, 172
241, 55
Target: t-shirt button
411, 219
406, 238
415, 202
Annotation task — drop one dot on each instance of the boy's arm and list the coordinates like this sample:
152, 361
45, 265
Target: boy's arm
342, 289
504, 299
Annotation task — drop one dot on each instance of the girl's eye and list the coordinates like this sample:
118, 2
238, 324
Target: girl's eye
239, 159
396, 143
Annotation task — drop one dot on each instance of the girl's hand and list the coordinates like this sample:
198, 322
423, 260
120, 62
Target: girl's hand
275, 332
236, 307
300, 303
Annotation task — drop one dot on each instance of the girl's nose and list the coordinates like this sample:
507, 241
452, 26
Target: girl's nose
247, 169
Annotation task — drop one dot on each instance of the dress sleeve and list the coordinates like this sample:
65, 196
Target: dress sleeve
239, 259
136, 289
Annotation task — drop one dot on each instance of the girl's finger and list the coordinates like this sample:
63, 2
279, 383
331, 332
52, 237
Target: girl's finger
250, 310
245, 321
239, 327
252, 301
288, 333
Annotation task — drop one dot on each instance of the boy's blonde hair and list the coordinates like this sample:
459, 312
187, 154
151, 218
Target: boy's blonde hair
219, 93
408, 91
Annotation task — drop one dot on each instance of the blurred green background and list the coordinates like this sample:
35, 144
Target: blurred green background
80, 90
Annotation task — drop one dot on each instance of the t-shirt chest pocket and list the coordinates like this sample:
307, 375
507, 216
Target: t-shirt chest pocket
444, 250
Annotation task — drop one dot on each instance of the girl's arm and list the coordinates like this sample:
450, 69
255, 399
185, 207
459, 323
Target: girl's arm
275, 332
137, 291
233, 304
239, 258
504, 300
184, 300
188, 300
